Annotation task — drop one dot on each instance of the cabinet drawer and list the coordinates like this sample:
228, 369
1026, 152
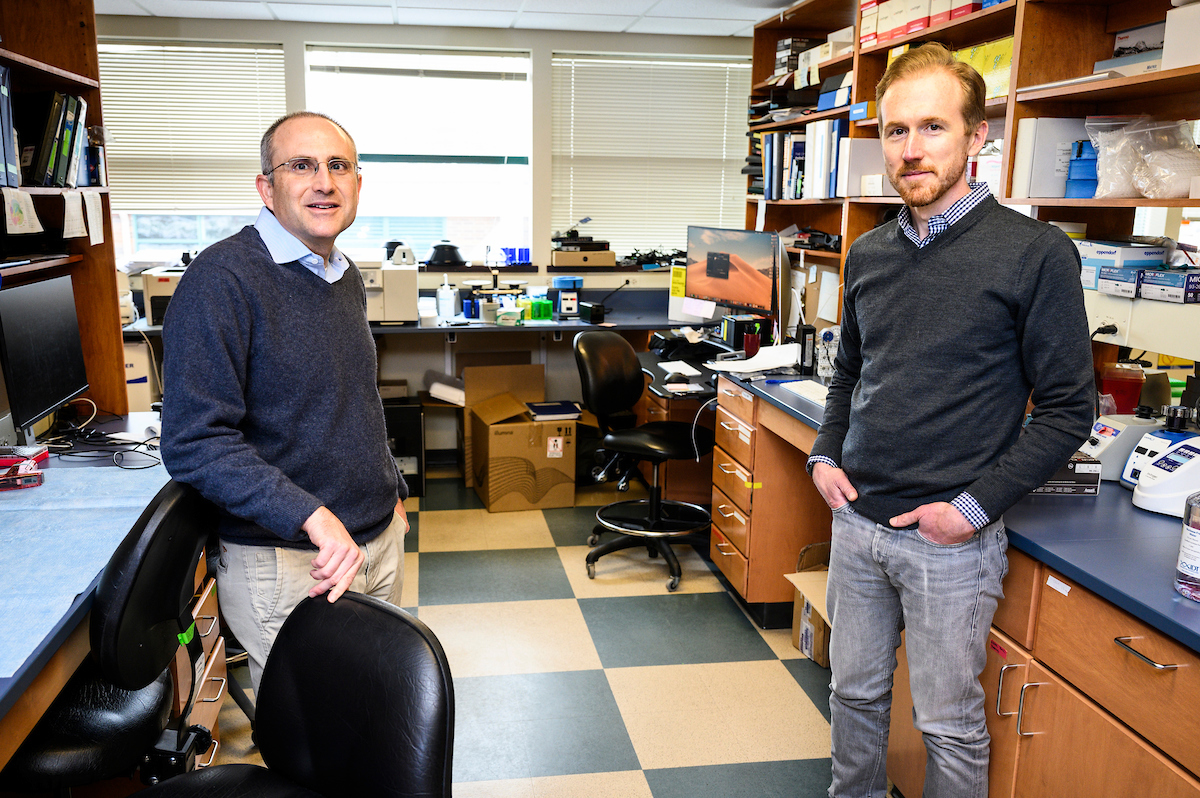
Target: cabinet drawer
1070, 748
207, 625
729, 560
1092, 644
731, 520
735, 436
736, 399
732, 478
212, 688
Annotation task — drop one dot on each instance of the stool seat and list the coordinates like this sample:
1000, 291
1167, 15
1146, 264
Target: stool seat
659, 441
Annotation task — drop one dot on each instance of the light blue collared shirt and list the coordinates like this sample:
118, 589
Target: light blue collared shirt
285, 248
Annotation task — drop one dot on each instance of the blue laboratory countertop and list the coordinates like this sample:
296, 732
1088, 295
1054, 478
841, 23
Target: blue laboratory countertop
1103, 543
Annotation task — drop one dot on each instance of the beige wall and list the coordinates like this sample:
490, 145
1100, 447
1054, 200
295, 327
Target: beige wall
294, 36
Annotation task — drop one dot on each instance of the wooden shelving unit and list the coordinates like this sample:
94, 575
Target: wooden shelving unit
51, 44
1053, 41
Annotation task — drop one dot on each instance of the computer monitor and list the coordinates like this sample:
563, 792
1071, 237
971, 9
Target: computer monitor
736, 269
40, 350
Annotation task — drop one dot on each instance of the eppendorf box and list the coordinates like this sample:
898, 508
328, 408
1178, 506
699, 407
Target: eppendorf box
521, 464
1079, 477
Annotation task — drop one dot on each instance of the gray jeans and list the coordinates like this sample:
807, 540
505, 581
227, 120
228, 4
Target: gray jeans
882, 580
259, 586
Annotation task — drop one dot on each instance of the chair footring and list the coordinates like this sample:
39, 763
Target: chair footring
633, 518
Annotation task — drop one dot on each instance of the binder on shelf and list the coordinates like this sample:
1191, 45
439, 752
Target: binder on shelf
38, 119
859, 157
10, 171
62, 148
78, 144
1042, 155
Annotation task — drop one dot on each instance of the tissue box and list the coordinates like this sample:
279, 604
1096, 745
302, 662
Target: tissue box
1182, 287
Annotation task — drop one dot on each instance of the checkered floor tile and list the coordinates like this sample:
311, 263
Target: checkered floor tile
568, 686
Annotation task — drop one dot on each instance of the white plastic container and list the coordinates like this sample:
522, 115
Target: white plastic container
446, 299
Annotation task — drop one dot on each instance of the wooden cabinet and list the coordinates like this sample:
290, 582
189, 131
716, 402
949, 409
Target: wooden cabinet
52, 45
1071, 748
682, 480
1095, 709
765, 507
213, 683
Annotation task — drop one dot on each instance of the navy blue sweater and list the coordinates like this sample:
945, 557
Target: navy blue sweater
941, 347
270, 404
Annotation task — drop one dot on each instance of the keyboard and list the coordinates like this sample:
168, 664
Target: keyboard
809, 389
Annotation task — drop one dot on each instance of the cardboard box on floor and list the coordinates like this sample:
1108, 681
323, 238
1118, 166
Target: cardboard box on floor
810, 627
519, 463
527, 383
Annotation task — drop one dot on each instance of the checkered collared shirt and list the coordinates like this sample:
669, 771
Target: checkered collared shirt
942, 221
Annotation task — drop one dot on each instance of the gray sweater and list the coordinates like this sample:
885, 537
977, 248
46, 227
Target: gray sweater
270, 405
940, 349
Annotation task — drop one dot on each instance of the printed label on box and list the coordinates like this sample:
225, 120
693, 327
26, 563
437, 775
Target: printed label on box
554, 447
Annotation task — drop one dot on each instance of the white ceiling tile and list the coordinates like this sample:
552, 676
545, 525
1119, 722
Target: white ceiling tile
749, 11
123, 7
596, 23
365, 15
466, 5
454, 18
688, 27
380, 3
634, 8
206, 9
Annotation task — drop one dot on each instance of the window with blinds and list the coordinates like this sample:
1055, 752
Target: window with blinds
647, 146
185, 121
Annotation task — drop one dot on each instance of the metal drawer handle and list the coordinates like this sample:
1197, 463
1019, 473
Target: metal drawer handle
215, 747
721, 510
722, 551
721, 466
1123, 642
220, 690
1021, 709
212, 621
725, 425
1000, 690
728, 392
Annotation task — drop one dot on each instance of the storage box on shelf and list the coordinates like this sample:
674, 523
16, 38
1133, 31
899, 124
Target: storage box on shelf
52, 45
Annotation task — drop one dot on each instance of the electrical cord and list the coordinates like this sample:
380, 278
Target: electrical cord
696, 424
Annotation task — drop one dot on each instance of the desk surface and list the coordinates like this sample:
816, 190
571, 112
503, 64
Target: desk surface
54, 542
1120, 552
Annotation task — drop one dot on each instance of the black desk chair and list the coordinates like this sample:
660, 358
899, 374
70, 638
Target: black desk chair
356, 700
613, 383
114, 714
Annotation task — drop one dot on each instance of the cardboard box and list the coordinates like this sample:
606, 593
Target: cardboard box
939, 11
868, 26
1119, 281
864, 110
810, 625
960, 8
526, 382
519, 463
602, 258
1179, 38
1114, 253
1079, 477
1182, 287
918, 15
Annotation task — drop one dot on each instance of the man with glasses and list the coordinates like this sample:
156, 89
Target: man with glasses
270, 405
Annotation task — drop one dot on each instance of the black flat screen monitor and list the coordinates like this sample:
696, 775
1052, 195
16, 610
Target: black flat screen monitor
40, 350
736, 269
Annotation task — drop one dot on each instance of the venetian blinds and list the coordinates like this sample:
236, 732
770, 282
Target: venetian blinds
185, 123
647, 146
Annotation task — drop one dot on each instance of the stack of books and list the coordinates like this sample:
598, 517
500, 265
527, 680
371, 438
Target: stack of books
553, 411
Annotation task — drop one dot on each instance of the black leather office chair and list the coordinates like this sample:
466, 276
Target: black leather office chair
613, 383
356, 700
115, 710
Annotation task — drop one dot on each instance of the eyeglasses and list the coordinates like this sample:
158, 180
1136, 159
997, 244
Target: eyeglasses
308, 167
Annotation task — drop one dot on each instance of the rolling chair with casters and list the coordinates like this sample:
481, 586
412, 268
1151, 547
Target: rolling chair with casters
113, 716
613, 382
356, 700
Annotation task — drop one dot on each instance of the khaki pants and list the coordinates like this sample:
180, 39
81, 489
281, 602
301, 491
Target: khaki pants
259, 586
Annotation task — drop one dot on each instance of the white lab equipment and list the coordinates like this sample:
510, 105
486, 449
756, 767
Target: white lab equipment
1166, 481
